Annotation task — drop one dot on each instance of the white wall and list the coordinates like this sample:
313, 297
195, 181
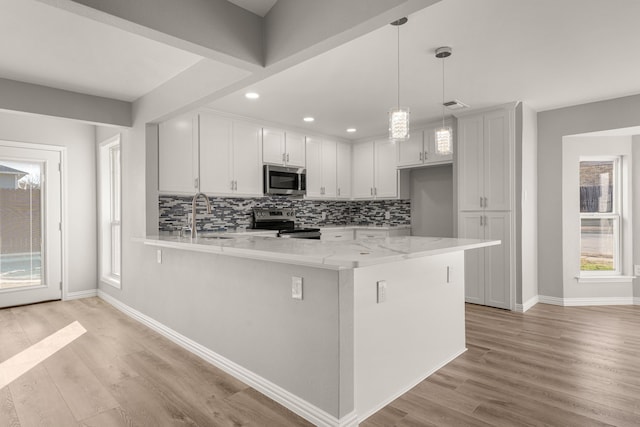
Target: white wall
635, 184
432, 201
528, 198
79, 139
553, 125
573, 148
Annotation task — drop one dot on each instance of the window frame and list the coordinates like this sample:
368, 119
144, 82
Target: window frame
615, 215
110, 211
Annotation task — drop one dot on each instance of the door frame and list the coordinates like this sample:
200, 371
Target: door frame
63, 201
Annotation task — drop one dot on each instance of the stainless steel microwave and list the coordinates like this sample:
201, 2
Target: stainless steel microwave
285, 180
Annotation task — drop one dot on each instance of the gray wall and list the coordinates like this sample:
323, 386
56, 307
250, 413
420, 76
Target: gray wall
80, 164
635, 184
552, 126
432, 211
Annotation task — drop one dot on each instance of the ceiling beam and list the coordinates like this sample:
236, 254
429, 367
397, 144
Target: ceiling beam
214, 29
296, 30
47, 101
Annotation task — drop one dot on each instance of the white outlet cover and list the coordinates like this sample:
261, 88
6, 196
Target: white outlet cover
159, 256
381, 291
296, 288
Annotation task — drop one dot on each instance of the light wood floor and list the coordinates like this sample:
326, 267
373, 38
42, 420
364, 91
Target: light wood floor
560, 366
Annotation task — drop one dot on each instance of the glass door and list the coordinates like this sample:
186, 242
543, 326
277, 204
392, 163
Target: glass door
30, 225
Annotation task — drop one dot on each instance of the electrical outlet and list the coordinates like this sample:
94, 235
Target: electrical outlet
159, 256
387, 215
324, 216
296, 288
636, 270
449, 274
382, 291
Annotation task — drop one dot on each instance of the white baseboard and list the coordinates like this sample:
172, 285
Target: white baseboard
301, 407
409, 386
636, 301
81, 294
521, 308
575, 302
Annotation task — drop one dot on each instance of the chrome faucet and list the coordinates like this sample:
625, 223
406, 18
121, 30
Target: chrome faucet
194, 232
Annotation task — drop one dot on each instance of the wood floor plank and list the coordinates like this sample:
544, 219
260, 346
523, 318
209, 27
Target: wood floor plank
115, 417
8, 414
84, 394
257, 410
38, 402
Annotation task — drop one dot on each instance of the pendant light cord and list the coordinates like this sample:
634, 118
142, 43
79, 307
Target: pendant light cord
443, 93
398, 67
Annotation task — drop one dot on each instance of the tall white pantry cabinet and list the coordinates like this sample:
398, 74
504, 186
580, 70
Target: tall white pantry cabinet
486, 185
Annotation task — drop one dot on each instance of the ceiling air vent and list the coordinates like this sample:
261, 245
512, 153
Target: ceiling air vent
455, 105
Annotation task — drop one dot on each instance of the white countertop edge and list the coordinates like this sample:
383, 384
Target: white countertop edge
325, 262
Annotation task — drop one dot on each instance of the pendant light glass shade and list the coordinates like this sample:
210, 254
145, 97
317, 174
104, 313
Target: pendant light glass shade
444, 137
444, 140
399, 117
399, 125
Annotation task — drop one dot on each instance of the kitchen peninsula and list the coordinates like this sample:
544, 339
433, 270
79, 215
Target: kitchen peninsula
332, 330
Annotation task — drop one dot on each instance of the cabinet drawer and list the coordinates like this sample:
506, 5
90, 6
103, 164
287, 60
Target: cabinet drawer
336, 235
369, 234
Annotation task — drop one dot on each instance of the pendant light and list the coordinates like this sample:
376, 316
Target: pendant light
444, 137
399, 118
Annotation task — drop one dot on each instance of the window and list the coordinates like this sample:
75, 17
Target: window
600, 207
110, 228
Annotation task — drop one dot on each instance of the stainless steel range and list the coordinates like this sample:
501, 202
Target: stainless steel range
283, 220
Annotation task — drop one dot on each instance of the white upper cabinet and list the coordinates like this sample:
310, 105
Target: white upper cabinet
230, 156
178, 155
321, 168
484, 165
421, 148
343, 170
216, 156
247, 154
374, 170
386, 173
363, 162
283, 148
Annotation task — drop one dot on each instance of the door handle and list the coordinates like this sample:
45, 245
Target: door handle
485, 202
481, 221
421, 156
287, 157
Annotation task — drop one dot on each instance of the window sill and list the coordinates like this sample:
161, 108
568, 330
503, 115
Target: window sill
111, 282
605, 279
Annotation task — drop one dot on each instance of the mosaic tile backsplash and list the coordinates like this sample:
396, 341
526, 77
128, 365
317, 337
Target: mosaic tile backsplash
228, 213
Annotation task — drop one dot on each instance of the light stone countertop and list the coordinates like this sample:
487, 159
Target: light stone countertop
316, 253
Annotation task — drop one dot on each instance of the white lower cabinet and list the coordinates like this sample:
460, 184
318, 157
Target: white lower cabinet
487, 270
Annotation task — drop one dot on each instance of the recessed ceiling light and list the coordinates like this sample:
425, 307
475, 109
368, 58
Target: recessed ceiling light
252, 95
308, 119
351, 130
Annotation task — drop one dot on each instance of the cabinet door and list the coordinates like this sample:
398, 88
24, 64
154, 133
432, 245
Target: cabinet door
343, 170
470, 162
474, 277
431, 154
497, 164
386, 171
178, 155
329, 168
314, 167
273, 148
295, 149
497, 292
410, 153
215, 154
362, 178
247, 166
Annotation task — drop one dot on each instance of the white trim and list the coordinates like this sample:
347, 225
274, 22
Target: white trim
605, 279
409, 386
636, 301
80, 294
522, 308
574, 302
301, 407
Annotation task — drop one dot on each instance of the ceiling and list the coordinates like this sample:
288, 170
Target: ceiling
67, 51
259, 7
546, 53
